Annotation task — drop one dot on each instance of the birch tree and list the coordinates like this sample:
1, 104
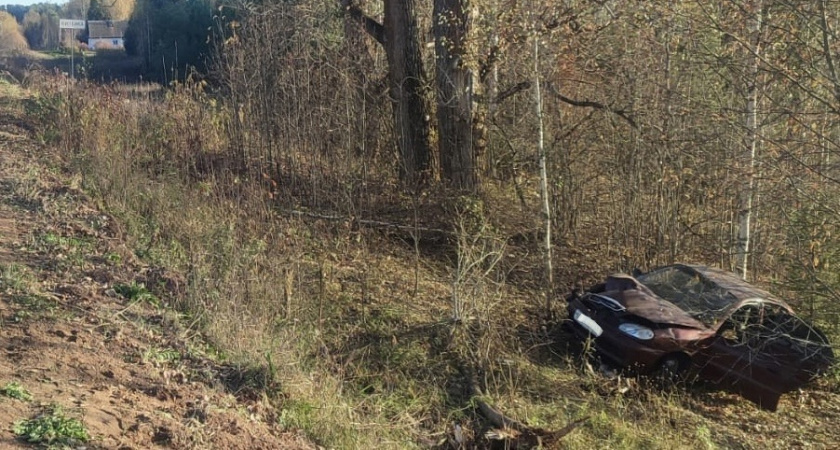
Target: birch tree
751, 138
544, 194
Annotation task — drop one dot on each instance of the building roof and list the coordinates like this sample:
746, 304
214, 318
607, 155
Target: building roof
106, 29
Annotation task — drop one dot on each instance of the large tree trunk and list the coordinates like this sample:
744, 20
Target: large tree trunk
405, 63
454, 93
400, 36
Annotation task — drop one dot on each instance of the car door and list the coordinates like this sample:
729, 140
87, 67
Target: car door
744, 358
802, 349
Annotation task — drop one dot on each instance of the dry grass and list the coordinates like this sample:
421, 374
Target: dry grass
347, 329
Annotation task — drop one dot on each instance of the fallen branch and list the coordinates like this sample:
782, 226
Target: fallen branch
515, 432
498, 419
7, 76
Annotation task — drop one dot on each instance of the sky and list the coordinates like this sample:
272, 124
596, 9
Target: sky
29, 2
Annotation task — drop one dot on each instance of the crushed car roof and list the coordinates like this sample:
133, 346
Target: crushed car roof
703, 292
734, 285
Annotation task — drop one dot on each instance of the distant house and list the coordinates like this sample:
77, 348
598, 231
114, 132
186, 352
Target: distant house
106, 33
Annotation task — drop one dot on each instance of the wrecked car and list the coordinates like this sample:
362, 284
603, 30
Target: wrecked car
692, 321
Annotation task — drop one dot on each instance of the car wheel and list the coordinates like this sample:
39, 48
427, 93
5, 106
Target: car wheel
673, 368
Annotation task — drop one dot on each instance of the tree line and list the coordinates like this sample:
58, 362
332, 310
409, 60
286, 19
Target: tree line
663, 130
701, 130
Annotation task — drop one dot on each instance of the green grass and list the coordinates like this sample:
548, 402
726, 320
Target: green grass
13, 277
52, 428
160, 356
22, 290
113, 258
75, 246
15, 390
33, 306
138, 292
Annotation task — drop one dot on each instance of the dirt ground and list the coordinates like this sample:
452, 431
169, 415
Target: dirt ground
133, 372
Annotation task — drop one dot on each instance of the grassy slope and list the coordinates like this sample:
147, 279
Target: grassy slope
353, 323
80, 334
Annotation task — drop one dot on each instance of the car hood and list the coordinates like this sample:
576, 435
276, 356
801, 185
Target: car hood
645, 304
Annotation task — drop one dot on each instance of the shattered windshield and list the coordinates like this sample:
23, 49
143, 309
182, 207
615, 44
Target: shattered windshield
690, 291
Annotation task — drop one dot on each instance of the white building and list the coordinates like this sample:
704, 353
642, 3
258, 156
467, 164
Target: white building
106, 33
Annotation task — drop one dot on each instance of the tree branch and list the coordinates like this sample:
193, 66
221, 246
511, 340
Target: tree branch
519, 87
371, 26
513, 90
590, 104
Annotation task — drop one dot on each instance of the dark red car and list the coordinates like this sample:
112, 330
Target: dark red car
697, 321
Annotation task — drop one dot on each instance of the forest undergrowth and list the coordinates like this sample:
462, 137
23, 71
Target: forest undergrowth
373, 314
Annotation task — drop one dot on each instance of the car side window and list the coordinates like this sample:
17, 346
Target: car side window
744, 326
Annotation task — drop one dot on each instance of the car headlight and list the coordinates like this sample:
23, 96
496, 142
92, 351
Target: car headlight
637, 331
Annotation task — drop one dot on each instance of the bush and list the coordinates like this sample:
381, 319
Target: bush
52, 427
11, 35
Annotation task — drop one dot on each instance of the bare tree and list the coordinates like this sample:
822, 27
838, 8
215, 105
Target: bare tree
745, 212
544, 194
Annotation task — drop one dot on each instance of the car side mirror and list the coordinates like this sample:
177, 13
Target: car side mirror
636, 272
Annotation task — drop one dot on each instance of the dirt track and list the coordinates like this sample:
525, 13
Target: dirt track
130, 370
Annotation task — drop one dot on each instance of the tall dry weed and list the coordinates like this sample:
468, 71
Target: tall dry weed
257, 284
